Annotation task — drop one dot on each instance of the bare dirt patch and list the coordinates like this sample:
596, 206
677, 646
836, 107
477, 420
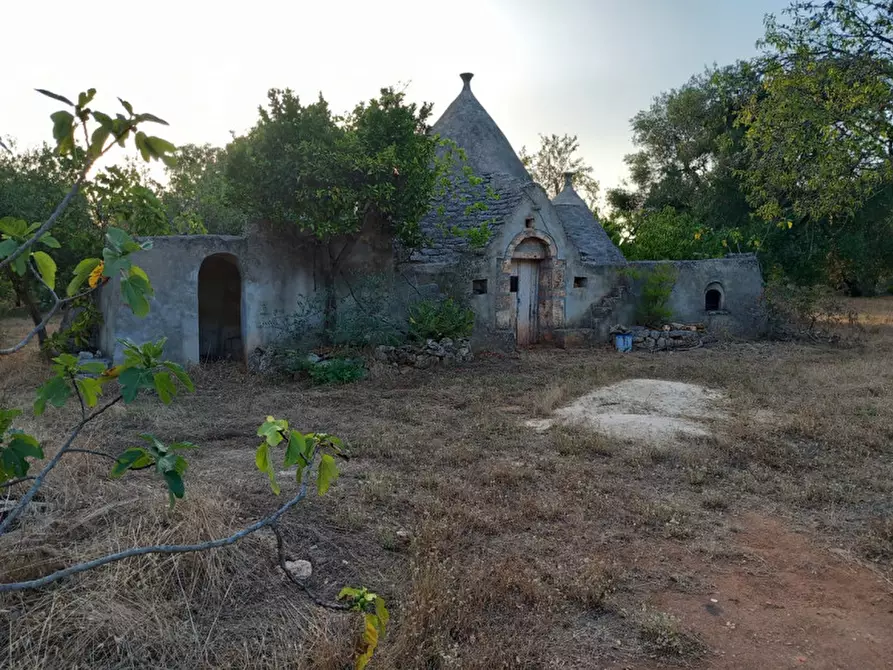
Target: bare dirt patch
785, 603
643, 410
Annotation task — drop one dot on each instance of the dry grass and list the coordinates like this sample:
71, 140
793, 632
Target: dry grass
496, 546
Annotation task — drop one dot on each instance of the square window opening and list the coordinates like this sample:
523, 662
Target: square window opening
479, 286
528, 222
513, 284
581, 282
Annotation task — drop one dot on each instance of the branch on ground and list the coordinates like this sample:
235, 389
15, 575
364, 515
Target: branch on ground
156, 549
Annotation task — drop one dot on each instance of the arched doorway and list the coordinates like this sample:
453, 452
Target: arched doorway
220, 308
527, 261
713, 298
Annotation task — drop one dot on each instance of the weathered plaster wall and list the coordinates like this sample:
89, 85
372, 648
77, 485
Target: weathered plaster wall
739, 279
278, 269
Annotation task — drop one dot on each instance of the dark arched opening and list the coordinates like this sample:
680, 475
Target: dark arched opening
713, 300
220, 308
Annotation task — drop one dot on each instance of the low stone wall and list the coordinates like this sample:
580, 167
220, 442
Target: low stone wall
427, 355
674, 336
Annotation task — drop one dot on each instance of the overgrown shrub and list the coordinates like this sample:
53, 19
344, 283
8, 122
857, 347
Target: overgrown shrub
437, 319
337, 371
82, 330
815, 313
654, 294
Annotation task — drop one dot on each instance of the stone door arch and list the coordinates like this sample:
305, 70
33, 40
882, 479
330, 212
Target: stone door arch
531, 288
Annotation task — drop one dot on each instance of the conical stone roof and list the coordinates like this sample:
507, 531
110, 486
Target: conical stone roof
583, 229
468, 124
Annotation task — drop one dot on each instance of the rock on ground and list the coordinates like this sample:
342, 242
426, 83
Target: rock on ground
299, 569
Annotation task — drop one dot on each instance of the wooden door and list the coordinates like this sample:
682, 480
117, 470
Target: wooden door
528, 295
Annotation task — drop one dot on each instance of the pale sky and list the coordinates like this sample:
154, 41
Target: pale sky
582, 67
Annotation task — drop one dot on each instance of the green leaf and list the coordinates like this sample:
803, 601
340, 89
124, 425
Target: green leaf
81, 274
180, 465
104, 120
20, 265
142, 146
126, 105
264, 464
294, 452
382, 613
159, 146
54, 391
134, 457
6, 418
98, 139
7, 247
55, 96
92, 367
164, 385
118, 238
46, 266
50, 241
135, 289
180, 374
13, 227
90, 390
63, 129
167, 462
13, 457
132, 380
271, 430
326, 473
26, 445
136, 271
85, 99
151, 118
174, 484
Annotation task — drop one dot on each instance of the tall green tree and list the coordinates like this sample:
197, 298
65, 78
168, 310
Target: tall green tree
689, 148
820, 138
332, 176
32, 182
555, 156
198, 196
125, 196
686, 172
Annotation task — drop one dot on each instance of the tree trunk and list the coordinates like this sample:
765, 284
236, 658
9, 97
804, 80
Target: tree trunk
24, 297
329, 276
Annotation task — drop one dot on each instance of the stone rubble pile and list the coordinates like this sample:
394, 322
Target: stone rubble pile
428, 354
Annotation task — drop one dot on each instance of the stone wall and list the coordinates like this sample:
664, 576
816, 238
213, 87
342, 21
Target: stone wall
278, 268
739, 281
430, 354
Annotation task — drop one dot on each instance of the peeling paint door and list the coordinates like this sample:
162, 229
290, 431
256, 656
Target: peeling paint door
528, 283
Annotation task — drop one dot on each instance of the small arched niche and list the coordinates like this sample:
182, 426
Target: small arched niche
220, 308
714, 298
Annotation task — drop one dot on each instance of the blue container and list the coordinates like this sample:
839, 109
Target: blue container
623, 342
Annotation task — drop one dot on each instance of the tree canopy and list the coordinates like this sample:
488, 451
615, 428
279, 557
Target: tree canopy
789, 155
556, 156
330, 175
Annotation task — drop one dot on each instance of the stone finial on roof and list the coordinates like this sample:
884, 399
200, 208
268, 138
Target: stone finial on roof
466, 80
569, 179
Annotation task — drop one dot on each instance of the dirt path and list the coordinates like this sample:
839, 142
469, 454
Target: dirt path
789, 604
